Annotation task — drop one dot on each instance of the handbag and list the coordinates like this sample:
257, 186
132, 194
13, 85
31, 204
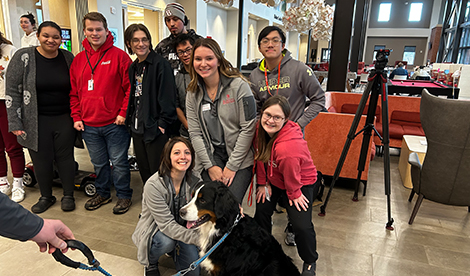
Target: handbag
78, 140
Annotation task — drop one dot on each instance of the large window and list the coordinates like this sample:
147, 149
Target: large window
325, 54
409, 54
464, 47
384, 12
39, 13
415, 12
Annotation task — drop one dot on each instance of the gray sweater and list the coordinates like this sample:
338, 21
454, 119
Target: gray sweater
237, 114
296, 82
16, 222
157, 215
20, 99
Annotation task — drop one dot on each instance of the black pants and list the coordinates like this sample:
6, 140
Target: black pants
305, 236
241, 180
56, 137
148, 154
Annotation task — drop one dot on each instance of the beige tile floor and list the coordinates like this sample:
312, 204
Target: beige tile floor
352, 239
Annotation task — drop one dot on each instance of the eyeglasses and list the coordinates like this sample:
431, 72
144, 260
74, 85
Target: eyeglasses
136, 41
185, 52
268, 117
275, 41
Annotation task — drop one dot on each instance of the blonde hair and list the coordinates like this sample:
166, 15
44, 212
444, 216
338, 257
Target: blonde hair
225, 67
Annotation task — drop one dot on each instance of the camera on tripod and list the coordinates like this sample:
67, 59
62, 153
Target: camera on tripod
381, 58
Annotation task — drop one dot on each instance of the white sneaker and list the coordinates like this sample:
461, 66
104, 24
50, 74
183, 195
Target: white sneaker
5, 189
17, 194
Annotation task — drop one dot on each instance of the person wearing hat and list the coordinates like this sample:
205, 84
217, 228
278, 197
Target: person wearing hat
176, 21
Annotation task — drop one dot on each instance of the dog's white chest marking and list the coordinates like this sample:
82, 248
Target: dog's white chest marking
206, 234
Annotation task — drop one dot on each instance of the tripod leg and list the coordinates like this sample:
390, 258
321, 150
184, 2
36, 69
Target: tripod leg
386, 143
366, 136
344, 153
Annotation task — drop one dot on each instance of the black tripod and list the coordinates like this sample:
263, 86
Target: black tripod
377, 85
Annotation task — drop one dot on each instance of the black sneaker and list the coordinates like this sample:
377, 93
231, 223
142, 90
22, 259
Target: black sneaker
96, 202
309, 269
152, 271
43, 204
122, 205
67, 203
290, 237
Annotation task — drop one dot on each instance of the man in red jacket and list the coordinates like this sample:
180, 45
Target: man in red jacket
98, 101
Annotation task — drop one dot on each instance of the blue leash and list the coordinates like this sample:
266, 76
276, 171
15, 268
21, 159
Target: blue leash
94, 264
196, 263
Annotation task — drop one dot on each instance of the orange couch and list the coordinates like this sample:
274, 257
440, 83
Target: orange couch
326, 136
327, 133
403, 114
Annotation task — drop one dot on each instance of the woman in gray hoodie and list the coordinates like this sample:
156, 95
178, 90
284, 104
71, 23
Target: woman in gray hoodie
160, 229
221, 113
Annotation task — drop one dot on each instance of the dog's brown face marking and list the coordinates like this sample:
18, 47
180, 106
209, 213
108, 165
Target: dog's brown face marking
203, 212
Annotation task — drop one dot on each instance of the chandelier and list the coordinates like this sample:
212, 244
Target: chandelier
312, 15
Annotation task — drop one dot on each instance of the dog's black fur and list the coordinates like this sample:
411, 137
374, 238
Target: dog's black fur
248, 250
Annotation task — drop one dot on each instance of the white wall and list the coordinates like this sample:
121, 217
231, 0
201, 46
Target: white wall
114, 18
293, 44
216, 25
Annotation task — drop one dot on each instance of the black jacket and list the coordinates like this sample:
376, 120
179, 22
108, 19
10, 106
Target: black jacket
16, 222
166, 48
158, 96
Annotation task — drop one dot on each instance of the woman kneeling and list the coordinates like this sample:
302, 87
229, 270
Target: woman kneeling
160, 229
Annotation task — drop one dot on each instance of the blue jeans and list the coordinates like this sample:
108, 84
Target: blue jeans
107, 143
184, 254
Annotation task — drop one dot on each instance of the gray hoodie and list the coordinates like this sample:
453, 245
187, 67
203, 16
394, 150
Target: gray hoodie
157, 215
237, 114
296, 82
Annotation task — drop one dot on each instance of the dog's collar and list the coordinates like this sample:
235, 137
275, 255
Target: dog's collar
196, 263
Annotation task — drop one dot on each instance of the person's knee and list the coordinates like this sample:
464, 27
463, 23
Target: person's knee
162, 243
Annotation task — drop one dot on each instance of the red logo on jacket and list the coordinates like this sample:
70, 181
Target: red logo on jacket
228, 100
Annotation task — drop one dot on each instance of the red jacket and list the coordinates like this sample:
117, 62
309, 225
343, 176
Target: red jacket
110, 95
290, 166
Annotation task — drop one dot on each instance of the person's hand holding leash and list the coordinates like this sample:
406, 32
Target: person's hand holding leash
300, 202
52, 234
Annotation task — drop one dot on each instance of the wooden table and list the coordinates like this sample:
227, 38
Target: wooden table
410, 143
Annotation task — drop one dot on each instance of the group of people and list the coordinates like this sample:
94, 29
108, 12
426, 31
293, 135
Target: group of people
191, 116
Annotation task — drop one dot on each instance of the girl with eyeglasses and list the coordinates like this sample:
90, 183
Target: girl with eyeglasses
285, 172
221, 113
152, 100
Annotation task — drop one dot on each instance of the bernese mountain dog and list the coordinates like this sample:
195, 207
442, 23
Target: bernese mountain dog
248, 250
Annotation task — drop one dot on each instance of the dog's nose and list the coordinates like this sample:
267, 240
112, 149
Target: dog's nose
182, 212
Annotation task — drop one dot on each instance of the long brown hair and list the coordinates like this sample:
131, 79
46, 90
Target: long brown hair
3, 40
264, 142
165, 164
225, 67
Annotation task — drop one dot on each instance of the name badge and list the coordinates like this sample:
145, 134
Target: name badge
90, 85
206, 107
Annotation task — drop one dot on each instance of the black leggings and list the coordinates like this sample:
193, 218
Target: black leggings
148, 154
305, 236
56, 137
